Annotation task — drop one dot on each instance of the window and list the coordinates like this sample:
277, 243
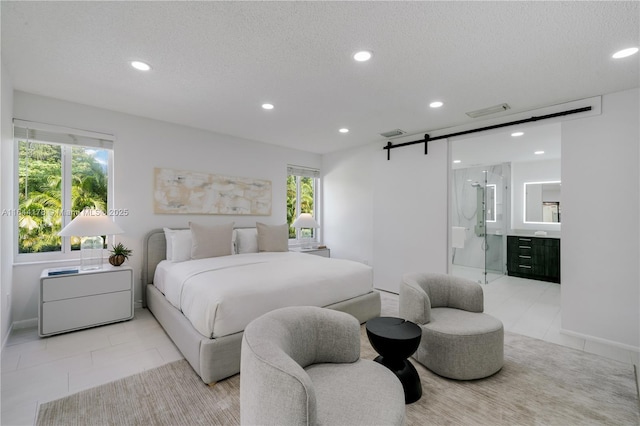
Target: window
60, 172
302, 195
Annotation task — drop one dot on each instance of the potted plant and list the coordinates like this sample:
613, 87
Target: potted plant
119, 254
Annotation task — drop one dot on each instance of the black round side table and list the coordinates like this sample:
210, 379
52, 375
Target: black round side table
396, 339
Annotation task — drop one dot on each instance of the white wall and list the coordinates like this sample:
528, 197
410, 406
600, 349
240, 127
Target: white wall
142, 144
601, 221
348, 203
6, 179
531, 171
410, 207
403, 205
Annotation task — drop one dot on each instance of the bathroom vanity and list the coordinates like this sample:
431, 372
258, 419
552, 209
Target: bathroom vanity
536, 258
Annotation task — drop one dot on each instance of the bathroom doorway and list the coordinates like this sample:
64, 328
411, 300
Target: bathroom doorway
489, 176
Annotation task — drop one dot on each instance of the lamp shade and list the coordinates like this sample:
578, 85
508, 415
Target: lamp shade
305, 220
90, 223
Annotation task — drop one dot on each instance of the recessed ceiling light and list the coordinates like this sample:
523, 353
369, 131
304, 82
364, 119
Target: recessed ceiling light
362, 56
267, 106
344, 130
436, 104
625, 52
516, 134
539, 152
141, 66
457, 161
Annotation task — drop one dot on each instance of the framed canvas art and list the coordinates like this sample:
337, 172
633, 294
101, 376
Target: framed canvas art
189, 192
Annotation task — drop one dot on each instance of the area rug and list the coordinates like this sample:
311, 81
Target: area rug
540, 384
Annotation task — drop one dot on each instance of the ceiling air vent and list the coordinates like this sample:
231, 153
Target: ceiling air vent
393, 133
488, 111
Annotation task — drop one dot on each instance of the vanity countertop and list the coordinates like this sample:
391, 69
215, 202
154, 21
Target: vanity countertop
530, 234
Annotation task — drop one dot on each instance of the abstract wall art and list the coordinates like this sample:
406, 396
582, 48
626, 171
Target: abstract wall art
188, 192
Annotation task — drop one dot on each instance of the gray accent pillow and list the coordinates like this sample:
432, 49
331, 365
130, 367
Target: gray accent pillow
273, 237
211, 241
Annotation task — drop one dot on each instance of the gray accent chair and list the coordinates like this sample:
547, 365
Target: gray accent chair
459, 341
301, 366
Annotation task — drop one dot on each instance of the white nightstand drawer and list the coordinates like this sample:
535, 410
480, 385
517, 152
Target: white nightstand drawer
84, 299
83, 284
71, 314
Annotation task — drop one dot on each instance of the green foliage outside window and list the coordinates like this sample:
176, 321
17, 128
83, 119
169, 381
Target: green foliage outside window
306, 191
40, 186
39, 197
291, 203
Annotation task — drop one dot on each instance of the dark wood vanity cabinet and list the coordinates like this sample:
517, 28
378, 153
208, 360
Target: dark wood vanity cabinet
536, 258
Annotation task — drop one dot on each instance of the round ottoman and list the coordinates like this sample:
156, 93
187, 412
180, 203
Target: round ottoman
462, 345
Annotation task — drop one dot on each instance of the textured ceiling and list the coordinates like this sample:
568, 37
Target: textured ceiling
215, 63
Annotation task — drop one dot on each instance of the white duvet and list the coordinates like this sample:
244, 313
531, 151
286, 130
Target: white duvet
221, 295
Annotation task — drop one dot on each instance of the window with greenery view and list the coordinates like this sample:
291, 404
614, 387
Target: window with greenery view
56, 181
302, 191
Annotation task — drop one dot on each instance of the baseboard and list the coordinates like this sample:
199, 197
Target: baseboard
17, 325
635, 373
6, 338
600, 340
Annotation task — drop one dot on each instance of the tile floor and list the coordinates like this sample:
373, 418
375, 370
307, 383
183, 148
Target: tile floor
36, 370
532, 308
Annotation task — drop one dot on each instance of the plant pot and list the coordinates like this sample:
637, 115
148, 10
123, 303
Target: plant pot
117, 259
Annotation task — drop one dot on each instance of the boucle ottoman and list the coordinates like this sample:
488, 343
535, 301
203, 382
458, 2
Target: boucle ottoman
461, 345
459, 341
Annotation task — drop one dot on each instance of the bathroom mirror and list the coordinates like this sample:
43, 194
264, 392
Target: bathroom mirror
491, 202
542, 202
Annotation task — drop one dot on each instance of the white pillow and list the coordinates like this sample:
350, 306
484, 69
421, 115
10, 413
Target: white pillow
211, 241
247, 240
178, 244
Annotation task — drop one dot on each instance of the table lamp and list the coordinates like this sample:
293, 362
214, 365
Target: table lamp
90, 225
305, 221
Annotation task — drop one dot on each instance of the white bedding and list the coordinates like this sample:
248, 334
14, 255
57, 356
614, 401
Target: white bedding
221, 295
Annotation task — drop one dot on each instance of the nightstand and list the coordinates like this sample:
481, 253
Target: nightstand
84, 299
324, 252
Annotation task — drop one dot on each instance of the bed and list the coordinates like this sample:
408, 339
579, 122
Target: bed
206, 322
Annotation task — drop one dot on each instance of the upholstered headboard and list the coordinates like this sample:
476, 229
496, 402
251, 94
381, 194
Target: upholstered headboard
155, 250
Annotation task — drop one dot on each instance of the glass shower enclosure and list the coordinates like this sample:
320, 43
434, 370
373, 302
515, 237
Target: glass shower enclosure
479, 212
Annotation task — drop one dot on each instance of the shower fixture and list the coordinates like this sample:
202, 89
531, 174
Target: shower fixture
479, 228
